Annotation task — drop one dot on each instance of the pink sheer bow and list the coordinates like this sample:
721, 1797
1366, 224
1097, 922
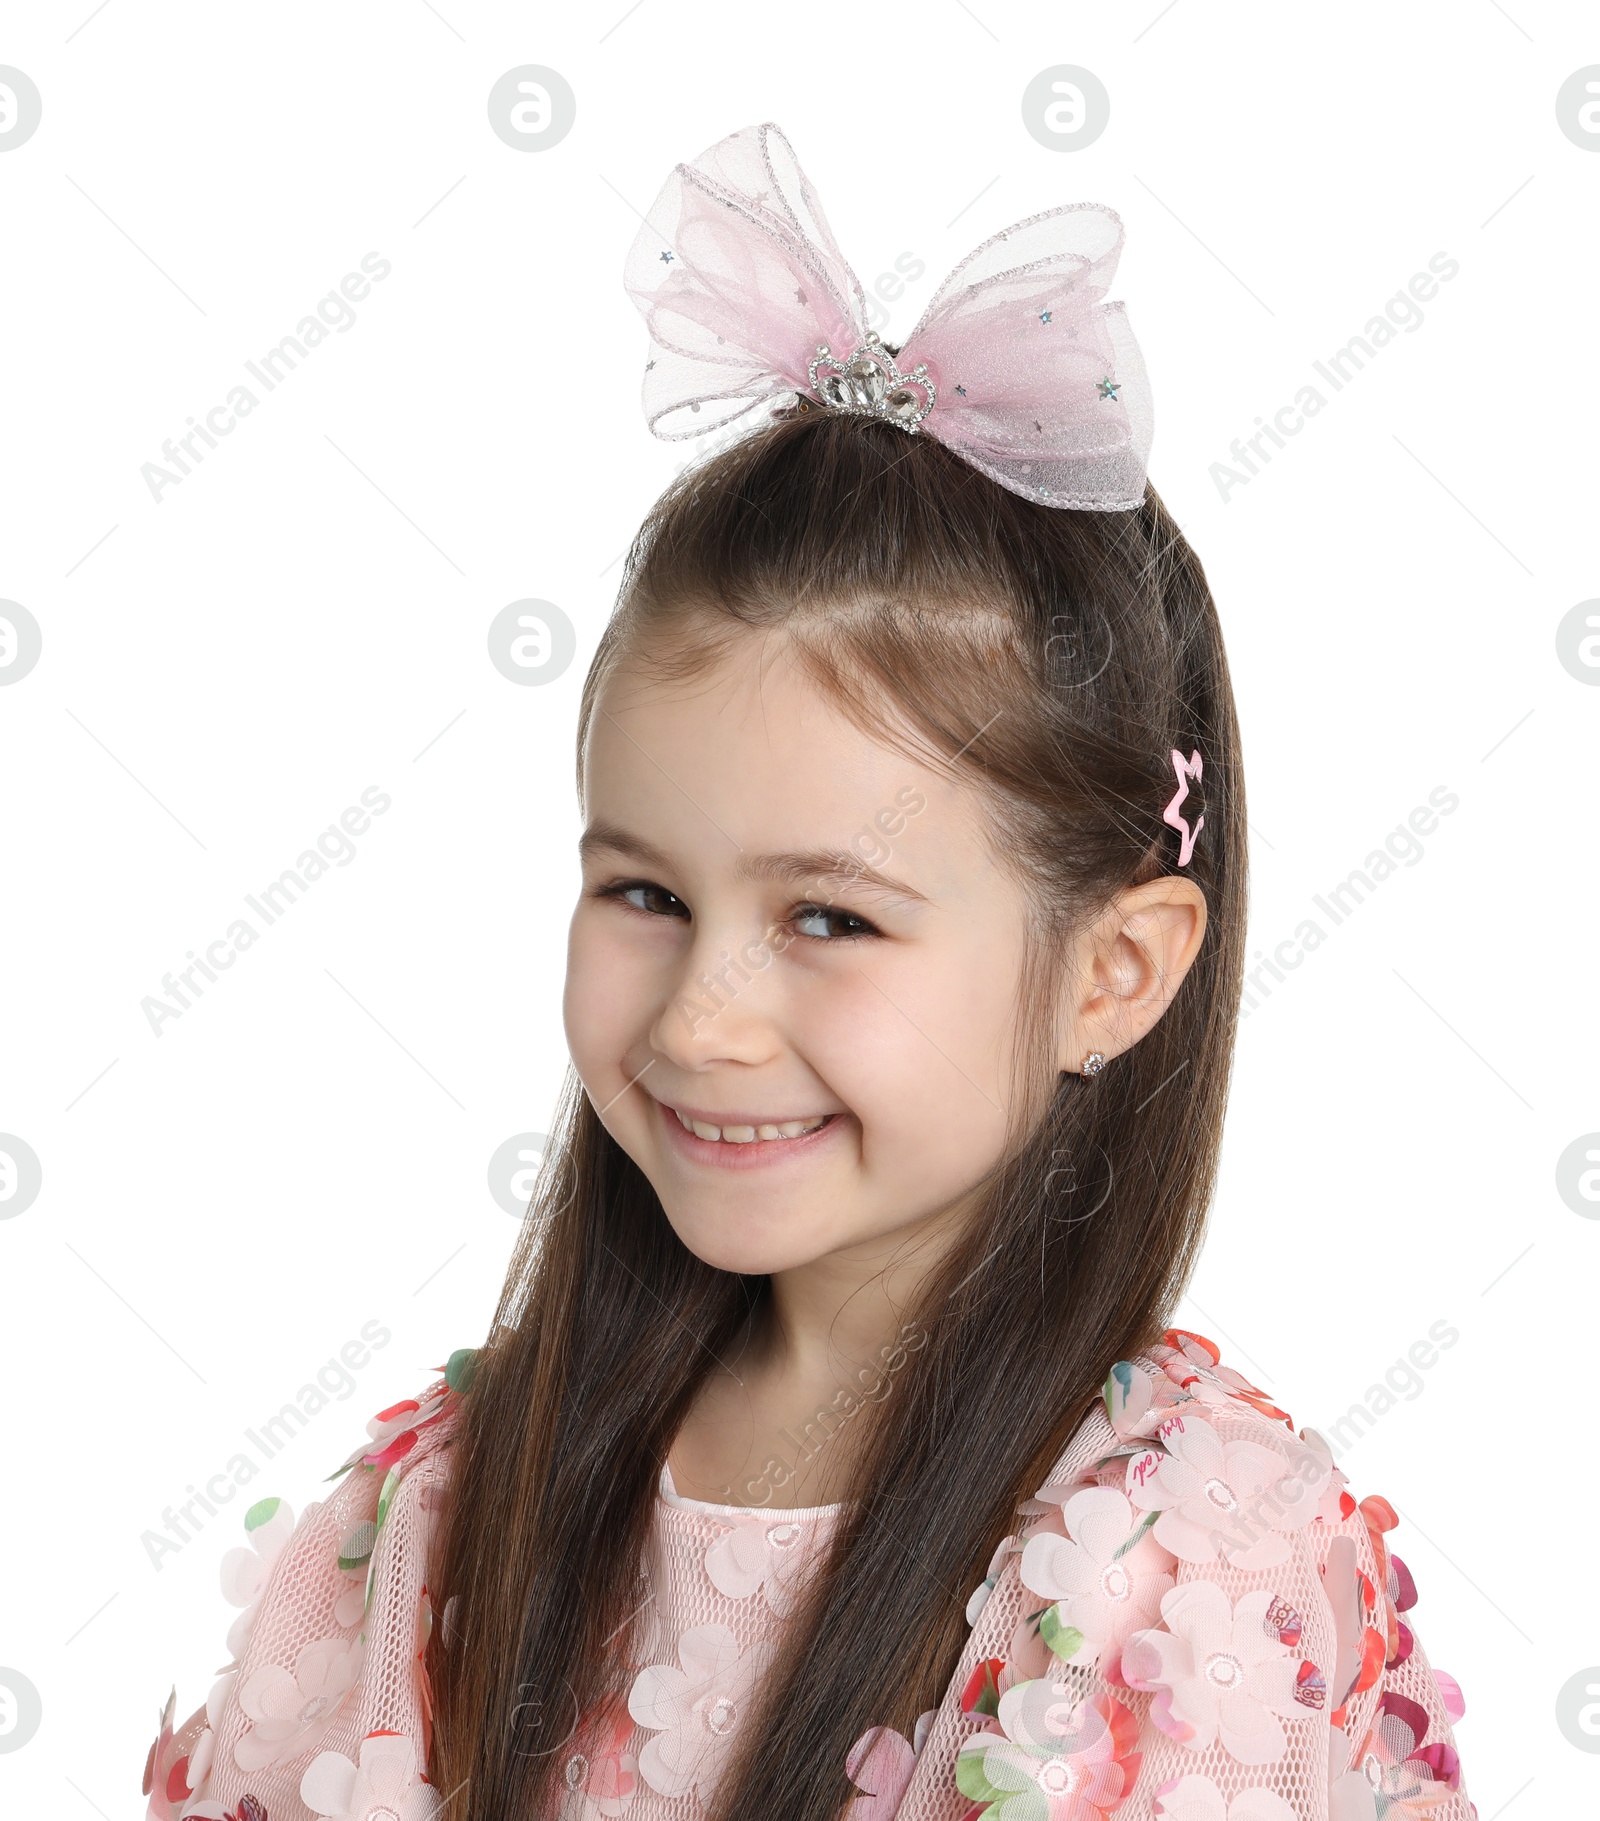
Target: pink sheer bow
1017, 365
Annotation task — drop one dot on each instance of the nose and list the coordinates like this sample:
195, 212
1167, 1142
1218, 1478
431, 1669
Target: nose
719, 1002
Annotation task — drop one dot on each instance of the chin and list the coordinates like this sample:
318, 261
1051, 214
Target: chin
727, 1246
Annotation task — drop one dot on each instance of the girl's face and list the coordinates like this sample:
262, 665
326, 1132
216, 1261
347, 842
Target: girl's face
783, 922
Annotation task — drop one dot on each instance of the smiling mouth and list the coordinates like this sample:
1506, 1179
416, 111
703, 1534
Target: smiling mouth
751, 1134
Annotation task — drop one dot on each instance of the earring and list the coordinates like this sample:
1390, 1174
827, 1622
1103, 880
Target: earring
1093, 1063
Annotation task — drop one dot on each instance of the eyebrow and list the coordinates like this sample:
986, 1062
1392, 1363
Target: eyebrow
834, 864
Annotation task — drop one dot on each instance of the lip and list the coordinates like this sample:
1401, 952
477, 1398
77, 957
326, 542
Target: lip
758, 1154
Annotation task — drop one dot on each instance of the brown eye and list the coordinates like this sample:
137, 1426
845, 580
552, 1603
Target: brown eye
807, 913
653, 895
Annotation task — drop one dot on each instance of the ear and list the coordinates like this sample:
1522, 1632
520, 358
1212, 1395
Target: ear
1127, 967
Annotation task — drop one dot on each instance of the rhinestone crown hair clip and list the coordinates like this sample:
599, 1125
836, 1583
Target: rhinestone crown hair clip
870, 384
1018, 364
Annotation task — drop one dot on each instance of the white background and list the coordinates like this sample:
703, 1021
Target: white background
305, 1149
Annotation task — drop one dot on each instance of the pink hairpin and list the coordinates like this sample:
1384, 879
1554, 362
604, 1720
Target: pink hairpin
1017, 365
1185, 770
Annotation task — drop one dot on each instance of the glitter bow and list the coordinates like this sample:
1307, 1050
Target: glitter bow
1017, 364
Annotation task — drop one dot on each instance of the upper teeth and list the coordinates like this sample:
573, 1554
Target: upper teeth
748, 1134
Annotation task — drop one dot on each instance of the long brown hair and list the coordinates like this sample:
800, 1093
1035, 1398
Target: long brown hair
1053, 658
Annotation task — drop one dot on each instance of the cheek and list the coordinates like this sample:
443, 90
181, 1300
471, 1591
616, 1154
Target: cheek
917, 1053
601, 999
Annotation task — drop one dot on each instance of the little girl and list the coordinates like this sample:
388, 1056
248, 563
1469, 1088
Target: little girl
829, 1453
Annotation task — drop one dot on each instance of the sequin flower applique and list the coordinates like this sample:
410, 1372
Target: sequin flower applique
1058, 1759
1224, 1672
1106, 1578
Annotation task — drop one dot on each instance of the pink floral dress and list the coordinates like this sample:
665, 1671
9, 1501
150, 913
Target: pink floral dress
1193, 1621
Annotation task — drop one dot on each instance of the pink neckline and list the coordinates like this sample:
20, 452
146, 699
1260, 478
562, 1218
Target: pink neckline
668, 1491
